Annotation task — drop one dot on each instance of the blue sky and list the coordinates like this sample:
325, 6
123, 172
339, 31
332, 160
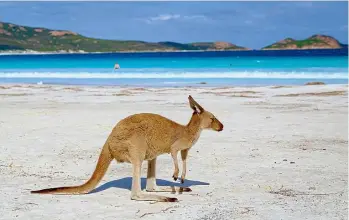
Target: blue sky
250, 24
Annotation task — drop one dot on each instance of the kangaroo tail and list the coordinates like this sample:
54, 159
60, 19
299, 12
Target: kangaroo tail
103, 163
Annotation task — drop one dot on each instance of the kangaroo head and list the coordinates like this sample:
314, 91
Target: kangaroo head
207, 119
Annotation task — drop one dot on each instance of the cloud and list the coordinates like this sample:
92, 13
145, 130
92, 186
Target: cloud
195, 17
165, 17
178, 17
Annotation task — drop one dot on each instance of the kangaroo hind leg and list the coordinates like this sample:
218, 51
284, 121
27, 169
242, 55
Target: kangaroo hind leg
137, 155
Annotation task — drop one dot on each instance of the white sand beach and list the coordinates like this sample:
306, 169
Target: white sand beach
283, 152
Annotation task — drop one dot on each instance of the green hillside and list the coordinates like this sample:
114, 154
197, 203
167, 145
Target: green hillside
16, 37
313, 42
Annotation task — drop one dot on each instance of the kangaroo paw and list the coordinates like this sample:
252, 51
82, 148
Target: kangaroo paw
175, 177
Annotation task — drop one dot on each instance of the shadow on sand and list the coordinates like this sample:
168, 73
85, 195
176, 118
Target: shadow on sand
126, 183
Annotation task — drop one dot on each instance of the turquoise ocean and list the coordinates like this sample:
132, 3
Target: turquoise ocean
239, 68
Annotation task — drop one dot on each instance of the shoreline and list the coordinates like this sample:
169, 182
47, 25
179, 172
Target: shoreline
169, 86
128, 52
165, 51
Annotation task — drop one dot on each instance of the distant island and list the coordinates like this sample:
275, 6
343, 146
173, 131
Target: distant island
313, 42
23, 39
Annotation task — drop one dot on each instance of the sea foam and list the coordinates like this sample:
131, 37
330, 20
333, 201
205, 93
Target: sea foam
193, 75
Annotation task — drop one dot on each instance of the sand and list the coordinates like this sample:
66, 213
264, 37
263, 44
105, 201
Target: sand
282, 155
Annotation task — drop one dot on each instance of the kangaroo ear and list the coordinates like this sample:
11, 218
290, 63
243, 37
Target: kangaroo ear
194, 105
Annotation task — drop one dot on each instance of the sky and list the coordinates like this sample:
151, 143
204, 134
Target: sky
249, 24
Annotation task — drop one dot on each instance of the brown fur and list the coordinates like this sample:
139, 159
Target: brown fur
142, 137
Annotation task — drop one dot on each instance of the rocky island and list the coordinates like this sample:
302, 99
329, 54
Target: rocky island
313, 42
31, 39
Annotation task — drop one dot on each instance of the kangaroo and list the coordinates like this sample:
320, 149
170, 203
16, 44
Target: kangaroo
145, 136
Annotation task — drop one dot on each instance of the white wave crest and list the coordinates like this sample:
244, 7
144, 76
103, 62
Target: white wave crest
192, 75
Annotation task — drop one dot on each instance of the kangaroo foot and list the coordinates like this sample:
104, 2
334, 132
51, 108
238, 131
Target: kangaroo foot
175, 177
172, 189
150, 197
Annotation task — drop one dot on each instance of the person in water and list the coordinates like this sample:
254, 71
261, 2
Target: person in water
116, 66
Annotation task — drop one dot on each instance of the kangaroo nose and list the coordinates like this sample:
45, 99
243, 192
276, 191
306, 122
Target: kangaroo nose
221, 128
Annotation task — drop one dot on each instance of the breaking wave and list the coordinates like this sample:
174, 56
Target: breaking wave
189, 75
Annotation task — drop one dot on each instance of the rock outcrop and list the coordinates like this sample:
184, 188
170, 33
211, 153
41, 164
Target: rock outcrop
314, 42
